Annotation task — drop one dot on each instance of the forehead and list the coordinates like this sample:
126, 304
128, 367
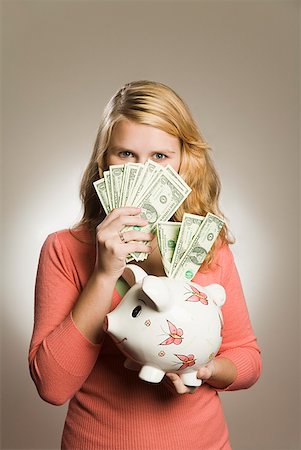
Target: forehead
134, 136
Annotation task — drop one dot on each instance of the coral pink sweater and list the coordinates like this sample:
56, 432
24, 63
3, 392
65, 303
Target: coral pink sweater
110, 408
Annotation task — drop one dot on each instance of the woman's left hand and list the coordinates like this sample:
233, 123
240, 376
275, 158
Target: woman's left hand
204, 374
218, 373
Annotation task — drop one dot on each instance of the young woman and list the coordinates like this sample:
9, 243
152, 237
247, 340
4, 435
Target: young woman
79, 281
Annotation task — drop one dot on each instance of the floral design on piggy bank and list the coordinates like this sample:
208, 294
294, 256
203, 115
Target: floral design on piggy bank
167, 325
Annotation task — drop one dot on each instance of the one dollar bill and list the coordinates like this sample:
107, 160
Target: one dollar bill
190, 225
198, 249
167, 236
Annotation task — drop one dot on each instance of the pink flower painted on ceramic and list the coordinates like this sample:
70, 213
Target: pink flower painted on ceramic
197, 296
175, 335
188, 360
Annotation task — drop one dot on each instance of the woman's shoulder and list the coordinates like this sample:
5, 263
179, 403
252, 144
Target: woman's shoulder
69, 253
72, 236
222, 254
69, 248
219, 268
69, 240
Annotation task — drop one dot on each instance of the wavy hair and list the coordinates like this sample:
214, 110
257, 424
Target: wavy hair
153, 103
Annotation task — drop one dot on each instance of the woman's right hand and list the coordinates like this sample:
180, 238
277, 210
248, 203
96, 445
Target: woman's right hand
113, 245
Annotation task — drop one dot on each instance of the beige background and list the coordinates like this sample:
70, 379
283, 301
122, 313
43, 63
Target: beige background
236, 64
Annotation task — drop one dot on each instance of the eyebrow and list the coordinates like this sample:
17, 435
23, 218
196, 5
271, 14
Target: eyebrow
123, 149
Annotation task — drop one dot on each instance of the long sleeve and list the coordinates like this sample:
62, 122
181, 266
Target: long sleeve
60, 357
239, 343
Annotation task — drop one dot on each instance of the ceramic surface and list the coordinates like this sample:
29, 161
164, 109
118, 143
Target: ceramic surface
166, 325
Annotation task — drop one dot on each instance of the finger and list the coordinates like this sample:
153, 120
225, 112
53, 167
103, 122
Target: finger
111, 230
135, 247
137, 236
178, 383
129, 210
122, 221
204, 373
123, 211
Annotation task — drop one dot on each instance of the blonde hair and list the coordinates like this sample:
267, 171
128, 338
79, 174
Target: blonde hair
153, 103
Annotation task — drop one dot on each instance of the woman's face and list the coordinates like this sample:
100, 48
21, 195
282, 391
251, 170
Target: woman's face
136, 143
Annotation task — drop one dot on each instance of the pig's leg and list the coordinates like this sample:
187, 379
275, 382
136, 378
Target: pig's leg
190, 379
151, 374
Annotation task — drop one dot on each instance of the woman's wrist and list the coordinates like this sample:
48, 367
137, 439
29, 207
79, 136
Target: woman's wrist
103, 278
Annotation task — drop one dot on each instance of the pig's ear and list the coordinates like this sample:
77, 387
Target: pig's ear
156, 290
217, 293
132, 274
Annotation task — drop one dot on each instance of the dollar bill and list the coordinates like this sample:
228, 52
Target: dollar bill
167, 235
198, 249
147, 177
101, 190
161, 200
107, 178
190, 225
131, 174
177, 179
116, 180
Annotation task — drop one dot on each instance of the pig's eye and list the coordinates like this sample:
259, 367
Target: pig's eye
136, 311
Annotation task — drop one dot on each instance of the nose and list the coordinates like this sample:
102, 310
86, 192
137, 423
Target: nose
142, 159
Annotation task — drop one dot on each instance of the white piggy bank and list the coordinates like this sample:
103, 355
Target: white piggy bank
167, 325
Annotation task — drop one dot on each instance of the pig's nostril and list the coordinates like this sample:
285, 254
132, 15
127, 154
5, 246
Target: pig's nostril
105, 324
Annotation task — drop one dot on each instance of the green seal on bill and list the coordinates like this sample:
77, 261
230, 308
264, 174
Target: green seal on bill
171, 243
189, 274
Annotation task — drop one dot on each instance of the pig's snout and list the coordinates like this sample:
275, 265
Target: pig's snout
111, 326
105, 324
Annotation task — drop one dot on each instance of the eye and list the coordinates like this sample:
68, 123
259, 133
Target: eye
136, 311
159, 156
125, 154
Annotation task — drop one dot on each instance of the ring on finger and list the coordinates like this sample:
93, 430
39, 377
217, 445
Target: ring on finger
121, 236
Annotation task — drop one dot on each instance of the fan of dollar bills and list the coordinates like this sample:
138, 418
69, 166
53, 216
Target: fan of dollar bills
184, 245
159, 191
